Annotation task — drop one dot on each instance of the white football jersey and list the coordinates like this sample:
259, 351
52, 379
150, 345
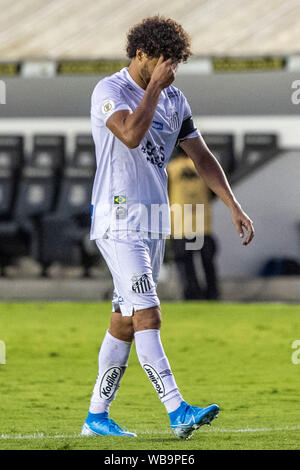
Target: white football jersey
130, 186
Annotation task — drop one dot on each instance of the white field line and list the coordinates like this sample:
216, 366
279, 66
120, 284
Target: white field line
152, 433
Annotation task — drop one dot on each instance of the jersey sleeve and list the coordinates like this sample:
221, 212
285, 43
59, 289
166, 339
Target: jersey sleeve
188, 130
107, 98
187, 112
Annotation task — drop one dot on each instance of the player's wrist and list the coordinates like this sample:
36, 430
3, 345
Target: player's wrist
233, 205
155, 85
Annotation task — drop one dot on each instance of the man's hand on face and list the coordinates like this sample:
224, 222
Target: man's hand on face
164, 72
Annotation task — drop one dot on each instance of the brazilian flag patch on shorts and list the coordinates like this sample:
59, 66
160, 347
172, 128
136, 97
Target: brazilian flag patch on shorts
119, 199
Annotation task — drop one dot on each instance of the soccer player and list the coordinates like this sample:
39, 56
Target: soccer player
138, 116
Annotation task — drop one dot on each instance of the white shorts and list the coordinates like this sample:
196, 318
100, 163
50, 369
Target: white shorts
134, 264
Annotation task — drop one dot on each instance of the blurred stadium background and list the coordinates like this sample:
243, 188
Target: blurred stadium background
240, 83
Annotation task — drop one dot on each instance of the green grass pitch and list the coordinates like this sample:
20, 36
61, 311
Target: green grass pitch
236, 355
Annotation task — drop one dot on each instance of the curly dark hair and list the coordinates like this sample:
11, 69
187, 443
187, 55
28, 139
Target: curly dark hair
158, 35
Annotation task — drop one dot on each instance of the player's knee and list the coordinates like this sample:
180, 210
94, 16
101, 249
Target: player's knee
121, 327
147, 319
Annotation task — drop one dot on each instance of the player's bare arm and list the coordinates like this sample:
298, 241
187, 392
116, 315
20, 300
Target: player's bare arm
209, 168
131, 127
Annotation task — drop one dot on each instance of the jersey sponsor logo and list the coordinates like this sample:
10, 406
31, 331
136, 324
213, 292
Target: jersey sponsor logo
173, 94
155, 153
141, 284
157, 125
110, 382
155, 380
121, 213
119, 199
107, 106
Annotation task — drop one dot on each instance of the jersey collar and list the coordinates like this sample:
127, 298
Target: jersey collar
130, 79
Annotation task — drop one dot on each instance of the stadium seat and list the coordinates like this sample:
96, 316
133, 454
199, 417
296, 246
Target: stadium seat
222, 146
19, 232
64, 232
11, 151
11, 162
84, 155
7, 187
48, 151
257, 147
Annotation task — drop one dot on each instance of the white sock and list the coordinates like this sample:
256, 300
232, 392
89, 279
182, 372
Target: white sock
156, 365
113, 357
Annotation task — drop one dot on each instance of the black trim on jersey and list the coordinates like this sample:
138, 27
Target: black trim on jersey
187, 128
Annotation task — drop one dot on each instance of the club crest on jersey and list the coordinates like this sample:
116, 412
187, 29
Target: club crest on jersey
107, 106
174, 121
141, 284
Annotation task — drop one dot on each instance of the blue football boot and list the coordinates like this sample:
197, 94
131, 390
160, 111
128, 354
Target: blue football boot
187, 418
101, 425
